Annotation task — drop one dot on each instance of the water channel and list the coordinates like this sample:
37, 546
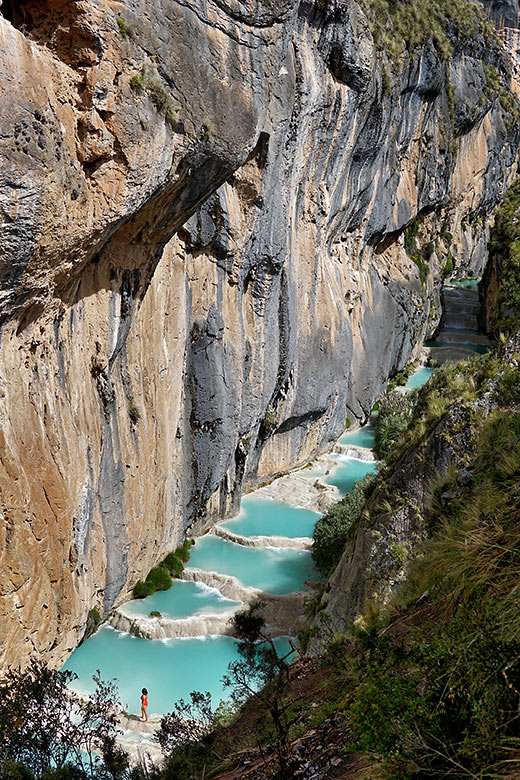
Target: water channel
172, 667
265, 549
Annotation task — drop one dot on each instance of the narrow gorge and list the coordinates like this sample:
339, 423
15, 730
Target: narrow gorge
226, 225
207, 265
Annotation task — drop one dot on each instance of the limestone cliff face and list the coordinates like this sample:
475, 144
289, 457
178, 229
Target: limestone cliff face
205, 210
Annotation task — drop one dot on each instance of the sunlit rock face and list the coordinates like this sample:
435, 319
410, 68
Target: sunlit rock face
223, 226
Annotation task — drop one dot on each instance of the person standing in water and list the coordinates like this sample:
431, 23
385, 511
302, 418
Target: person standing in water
144, 704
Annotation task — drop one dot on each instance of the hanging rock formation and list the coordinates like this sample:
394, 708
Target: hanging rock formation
224, 225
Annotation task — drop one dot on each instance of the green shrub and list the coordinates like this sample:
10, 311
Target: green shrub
126, 30
428, 250
13, 770
331, 532
226, 712
401, 377
410, 234
305, 635
142, 589
155, 613
138, 83
395, 414
269, 421
183, 552
448, 268
508, 390
504, 247
94, 615
175, 561
158, 96
160, 578
174, 564
399, 25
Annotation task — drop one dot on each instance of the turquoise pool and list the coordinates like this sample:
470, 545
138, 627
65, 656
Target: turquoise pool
363, 437
349, 471
168, 668
182, 600
420, 377
273, 570
265, 517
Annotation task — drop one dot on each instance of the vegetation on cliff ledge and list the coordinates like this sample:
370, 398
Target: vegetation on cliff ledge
504, 249
435, 679
160, 577
394, 23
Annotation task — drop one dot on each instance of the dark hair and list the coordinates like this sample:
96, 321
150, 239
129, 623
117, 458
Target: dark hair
145, 692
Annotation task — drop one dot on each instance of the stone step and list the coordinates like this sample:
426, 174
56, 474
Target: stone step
461, 306
461, 336
459, 321
443, 354
460, 293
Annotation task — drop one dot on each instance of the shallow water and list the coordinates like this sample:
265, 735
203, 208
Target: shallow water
266, 517
182, 600
273, 570
168, 668
419, 378
363, 437
349, 471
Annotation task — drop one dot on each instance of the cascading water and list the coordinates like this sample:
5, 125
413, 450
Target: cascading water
186, 647
262, 553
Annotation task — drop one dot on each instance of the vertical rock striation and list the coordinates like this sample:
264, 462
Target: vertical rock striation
224, 226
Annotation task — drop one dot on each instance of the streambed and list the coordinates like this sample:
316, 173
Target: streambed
171, 668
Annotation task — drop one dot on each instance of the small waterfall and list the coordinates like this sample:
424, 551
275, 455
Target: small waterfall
173, 628
229, 586
297, 543
282, 615
353, 451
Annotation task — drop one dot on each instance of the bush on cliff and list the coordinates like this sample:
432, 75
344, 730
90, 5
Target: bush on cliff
175, 561
160, 578
333, 529
504, 248
395, 413
142, 589
436, 680
174, 564
395, 25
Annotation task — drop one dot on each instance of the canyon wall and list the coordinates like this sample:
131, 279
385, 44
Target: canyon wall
223, 227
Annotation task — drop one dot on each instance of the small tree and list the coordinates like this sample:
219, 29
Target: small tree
187, 736
189, 722
264, 675
332, 531
46, 727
